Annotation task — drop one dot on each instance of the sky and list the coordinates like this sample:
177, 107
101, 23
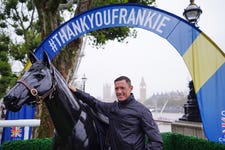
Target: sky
149, 56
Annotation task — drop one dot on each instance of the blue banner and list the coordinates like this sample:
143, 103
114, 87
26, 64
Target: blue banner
204, 59
131, 15
17, 133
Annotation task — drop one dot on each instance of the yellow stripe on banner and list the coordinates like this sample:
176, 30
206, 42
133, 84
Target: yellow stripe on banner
203, 58
26, 67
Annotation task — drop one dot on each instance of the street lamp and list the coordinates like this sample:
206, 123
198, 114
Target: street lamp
192, 12
84, 79
191, 109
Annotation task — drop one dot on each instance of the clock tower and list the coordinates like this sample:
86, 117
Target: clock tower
142, 90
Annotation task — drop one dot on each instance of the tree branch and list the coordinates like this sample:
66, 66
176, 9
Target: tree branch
68, 4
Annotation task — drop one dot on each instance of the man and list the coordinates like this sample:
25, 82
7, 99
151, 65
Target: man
129, 120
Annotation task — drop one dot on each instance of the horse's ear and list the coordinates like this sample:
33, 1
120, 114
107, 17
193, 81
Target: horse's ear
46, 60
32, 57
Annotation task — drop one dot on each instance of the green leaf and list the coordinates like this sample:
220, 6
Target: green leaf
3, 25
19, 32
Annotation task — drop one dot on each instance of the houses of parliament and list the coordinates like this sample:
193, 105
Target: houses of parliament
107, 92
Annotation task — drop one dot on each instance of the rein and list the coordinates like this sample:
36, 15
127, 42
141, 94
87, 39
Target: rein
34, 91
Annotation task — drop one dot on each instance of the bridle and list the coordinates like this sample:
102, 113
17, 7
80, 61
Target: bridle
34, 91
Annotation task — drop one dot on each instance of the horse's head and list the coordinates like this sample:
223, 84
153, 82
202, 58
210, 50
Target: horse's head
36, 84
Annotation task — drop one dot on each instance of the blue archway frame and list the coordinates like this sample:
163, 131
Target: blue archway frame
204, 59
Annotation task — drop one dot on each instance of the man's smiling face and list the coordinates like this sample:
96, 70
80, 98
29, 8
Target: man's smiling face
122, 90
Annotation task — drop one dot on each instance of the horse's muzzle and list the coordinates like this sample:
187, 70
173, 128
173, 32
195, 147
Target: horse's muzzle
10, 103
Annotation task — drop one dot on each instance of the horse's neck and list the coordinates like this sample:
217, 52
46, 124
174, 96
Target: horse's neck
63, 108
64, 93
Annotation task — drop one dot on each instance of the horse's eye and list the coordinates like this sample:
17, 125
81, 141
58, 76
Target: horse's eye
39, 76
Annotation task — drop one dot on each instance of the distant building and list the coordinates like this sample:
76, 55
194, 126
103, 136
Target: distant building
142, 90
107, 95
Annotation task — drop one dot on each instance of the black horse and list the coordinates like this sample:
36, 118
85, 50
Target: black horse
75, 123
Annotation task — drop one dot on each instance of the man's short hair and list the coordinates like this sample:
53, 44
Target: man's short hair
123, 78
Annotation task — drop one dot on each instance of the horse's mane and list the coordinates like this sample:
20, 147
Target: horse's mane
63, 88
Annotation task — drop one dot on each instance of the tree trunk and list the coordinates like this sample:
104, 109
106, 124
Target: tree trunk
48, 19
65, 62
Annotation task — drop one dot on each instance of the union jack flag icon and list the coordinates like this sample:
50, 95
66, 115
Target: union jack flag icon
16, 132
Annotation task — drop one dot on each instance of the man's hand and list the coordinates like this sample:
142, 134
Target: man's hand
72, 88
